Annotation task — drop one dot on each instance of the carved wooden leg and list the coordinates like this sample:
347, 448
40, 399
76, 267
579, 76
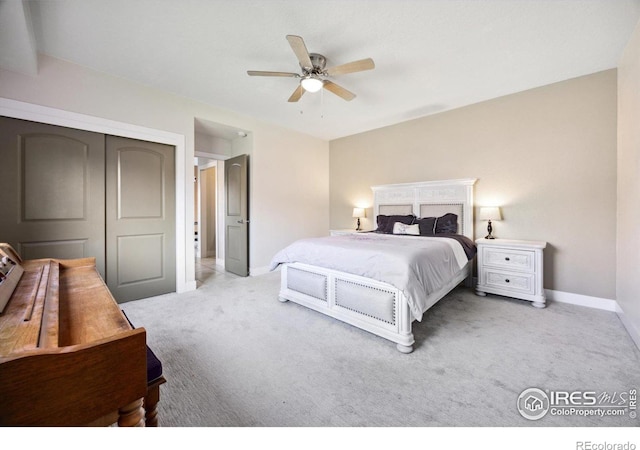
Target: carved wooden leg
151, 406
151, 401
131, 415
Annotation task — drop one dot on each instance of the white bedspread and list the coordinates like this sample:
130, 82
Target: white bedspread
416, 265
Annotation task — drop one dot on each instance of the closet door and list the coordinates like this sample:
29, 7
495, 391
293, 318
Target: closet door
140, 196
52, 191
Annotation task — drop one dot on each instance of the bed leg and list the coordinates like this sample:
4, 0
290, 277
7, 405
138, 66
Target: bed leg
404, 348
282, 299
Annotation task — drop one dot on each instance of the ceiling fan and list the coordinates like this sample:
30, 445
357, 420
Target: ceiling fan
314, 74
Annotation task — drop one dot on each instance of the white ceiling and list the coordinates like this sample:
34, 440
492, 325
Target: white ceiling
430, 55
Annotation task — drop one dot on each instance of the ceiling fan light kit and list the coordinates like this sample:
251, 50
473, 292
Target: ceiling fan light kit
314, 75
311, 83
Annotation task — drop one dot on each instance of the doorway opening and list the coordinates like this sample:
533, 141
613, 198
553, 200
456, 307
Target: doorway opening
208, 198
215, 143
206, 208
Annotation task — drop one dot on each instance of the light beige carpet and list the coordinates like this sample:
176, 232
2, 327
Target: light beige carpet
234, 356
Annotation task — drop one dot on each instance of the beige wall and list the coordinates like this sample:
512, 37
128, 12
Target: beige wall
628, 256
547, 156
209, 245
276, 205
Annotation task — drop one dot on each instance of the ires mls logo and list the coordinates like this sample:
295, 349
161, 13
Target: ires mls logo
534, 403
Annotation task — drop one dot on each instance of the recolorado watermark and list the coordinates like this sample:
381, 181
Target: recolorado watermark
588, 445
534, 404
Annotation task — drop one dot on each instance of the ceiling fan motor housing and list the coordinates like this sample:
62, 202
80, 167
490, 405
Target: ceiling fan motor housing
319, 62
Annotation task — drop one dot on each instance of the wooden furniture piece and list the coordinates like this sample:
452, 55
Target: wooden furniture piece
155, 379
512, 268
151, 401
367, 298
68, 355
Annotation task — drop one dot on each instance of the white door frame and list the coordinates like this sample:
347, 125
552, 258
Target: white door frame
185, 274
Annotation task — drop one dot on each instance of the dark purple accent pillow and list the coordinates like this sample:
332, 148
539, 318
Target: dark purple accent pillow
382, 223
447, 223
427, 225
385, 223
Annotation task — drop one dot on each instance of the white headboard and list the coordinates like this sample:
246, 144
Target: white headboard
428, 199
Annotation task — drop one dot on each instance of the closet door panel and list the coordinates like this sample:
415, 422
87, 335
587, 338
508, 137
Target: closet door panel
140, 218
52, 191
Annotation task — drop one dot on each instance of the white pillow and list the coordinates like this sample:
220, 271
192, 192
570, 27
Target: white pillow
403, 228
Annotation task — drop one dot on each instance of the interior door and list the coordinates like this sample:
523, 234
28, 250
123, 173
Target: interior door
140, 222
52, 191
236, 255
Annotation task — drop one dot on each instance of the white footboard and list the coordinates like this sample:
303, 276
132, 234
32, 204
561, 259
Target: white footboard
367, 304
362, 302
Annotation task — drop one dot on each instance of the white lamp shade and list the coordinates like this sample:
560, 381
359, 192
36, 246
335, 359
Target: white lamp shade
490, 213
358, 212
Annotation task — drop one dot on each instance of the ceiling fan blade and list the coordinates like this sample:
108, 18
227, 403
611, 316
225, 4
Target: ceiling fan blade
262, 73
354, 66
296, 94
298, 47
339, 90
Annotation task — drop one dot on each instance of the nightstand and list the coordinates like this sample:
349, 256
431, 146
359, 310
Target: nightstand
511, 268
344, 231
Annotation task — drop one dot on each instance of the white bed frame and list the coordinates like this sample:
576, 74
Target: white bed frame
371, 305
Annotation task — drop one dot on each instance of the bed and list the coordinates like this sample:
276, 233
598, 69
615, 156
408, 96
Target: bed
372, 280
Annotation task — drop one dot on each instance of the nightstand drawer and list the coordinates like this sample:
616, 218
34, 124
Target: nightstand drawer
509, 259
517, 282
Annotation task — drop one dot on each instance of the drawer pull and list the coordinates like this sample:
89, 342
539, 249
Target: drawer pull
507, 258
506, 281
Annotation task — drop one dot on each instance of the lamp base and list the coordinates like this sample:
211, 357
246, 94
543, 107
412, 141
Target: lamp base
489, 230
358, 227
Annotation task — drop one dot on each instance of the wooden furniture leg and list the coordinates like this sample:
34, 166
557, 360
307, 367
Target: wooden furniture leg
131, 415
151, 401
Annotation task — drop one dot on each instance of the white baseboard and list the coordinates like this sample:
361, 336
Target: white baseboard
220, 262
582, 300
257, 271
631, 329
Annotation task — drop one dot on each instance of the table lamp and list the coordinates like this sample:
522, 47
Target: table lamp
358, 212
490, 213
